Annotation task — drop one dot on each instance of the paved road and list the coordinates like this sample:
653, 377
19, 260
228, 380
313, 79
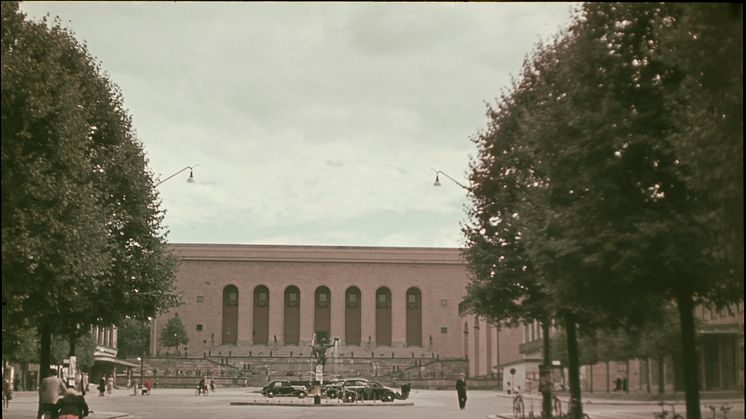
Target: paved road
428, 404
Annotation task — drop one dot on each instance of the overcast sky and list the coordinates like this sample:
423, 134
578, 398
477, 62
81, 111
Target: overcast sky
311, 123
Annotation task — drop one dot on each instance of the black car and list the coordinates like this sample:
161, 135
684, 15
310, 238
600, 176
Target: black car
354, 389
332, 389
284, 388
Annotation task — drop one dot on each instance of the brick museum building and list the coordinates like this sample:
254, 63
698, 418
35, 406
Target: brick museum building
397, 313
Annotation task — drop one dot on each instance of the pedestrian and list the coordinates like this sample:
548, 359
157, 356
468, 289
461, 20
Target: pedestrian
50, 389
71, 406
212, 385
7, 393
102, 386
148, 386
109, 384
461, 390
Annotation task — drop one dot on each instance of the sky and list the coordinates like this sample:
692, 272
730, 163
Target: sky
310, 123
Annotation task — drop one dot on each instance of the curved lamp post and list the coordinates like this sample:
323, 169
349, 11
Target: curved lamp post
189, 180
437, 179
141, 359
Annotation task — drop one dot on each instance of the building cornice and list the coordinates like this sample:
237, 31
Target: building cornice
316, 254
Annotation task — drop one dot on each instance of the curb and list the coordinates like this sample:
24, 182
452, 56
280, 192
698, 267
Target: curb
322, 404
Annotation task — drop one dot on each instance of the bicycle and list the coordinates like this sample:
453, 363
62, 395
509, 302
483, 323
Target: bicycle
663, 414
556, 407
201, 391
519, 408
724, 408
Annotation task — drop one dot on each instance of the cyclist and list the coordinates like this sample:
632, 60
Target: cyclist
201, 387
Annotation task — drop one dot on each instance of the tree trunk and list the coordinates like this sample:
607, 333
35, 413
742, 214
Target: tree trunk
689, 354
573, 367
73, 338
545, 376
626, 379
45, 351
661, 374
608, 378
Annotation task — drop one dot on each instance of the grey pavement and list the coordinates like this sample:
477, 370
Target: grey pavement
425, 404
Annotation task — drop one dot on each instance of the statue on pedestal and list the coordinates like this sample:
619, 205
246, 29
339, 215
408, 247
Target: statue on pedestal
319, 351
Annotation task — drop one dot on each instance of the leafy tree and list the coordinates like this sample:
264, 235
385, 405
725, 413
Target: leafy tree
85, 344
83, 243
133, 338
174, 333
616, 225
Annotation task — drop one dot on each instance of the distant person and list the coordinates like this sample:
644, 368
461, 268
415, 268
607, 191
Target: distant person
102, 386
7, 393
212, 385
461, 390
71, 406
109, 384
50, 389
201, 386
148, 386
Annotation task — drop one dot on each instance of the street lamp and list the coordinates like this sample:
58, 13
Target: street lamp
189, 180
437, 180
141, 359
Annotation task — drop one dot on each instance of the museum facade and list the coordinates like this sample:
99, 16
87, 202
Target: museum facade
242, 298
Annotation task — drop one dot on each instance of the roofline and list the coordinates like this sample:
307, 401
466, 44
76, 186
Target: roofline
317, 254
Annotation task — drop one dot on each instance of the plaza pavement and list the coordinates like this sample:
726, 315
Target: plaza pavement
425, 404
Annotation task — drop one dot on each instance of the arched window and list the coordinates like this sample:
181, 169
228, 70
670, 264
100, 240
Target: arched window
352, 316
383, 316
260, 332
414, 317
292, 316
230, 315
322, 311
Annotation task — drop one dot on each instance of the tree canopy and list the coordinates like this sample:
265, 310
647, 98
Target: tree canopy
174, 333
619, 154
81, 222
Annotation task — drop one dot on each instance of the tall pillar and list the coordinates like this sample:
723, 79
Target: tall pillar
276, 313
398, 317
337, 296
306, 314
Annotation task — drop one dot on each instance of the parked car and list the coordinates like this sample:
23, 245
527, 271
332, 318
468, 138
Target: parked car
284, 388
332, 389
361, 389
377, 391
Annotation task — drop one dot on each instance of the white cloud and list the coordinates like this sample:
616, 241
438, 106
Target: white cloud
312, 123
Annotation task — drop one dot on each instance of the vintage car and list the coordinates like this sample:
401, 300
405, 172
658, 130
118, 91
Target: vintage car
332, 389
284, 388
354, 389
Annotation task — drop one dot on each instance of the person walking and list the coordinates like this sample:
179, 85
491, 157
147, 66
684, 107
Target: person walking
109, 384
7, 393
50, 389
102, 386
71, 406
461, 390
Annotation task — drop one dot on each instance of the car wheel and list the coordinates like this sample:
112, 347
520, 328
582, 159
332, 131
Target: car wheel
301, 394
350, 397
270, 394
388, 397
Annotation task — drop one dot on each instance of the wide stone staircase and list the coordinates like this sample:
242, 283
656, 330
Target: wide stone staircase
257, 367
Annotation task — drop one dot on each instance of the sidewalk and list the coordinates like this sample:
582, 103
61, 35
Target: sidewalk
25, 404
639, 399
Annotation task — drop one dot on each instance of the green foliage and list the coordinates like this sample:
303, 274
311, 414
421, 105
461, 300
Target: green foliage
133, 338
20, 343
85, 346
81, 223
173, 333
620, 150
